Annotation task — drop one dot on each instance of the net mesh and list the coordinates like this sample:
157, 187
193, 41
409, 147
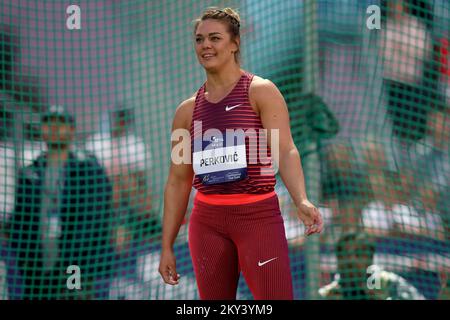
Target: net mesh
369, 107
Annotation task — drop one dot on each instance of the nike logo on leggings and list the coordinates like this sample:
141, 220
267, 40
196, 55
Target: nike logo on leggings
260, 264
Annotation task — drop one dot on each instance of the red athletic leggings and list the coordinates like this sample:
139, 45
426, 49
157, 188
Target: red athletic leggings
227, 239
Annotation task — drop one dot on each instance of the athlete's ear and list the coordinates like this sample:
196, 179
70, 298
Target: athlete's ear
238, 43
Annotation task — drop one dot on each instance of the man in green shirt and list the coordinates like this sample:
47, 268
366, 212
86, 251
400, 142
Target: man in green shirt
359, 279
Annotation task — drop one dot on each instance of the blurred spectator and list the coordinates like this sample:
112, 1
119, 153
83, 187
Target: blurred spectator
61, 215
432, 166
7, 168
392, 207
444, 70
414, 218
32, 144
347, 181
406, 48
427, 205
127, 161
375, 162
401, 215
9, 50
402, 205
443, 207
433, 162
354, 279
377, 216
444, 277
7, 189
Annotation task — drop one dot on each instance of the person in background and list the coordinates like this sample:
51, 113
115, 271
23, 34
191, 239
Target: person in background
406, 48
444, 290
61, 216
432, 170
7, 168
32, 144
358, 278
433, 151
127, 161
345, 181
7, 189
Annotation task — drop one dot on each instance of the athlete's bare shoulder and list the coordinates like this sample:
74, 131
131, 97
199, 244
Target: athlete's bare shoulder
258, 81
262, 90
261, 86
183, 113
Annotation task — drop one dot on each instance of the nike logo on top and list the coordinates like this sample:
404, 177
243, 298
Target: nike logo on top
260, 264
227, 108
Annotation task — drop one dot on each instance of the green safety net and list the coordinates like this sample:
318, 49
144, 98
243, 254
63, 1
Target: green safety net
367, 88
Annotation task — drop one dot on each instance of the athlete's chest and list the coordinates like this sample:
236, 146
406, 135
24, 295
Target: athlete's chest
235, 109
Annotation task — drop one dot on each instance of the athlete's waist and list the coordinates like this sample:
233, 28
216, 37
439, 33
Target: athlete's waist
232, 199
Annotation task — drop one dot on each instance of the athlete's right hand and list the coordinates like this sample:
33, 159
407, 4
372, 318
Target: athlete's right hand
167, 267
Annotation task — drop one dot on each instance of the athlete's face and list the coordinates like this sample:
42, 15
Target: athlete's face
213, 44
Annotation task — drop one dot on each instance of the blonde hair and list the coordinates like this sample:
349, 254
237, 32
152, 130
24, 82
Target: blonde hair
227, 15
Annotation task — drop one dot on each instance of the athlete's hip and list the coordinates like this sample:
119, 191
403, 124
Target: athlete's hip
259, 212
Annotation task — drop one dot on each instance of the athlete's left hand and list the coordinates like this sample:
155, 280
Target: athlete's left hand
311, 217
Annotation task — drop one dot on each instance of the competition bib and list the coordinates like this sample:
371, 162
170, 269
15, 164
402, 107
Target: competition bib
218, 163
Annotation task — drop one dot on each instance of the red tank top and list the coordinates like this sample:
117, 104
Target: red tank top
235, 112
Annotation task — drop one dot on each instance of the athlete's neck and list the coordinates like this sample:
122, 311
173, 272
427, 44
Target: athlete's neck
223, 80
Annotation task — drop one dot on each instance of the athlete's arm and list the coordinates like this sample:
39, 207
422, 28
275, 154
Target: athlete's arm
274, 114
176, 198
